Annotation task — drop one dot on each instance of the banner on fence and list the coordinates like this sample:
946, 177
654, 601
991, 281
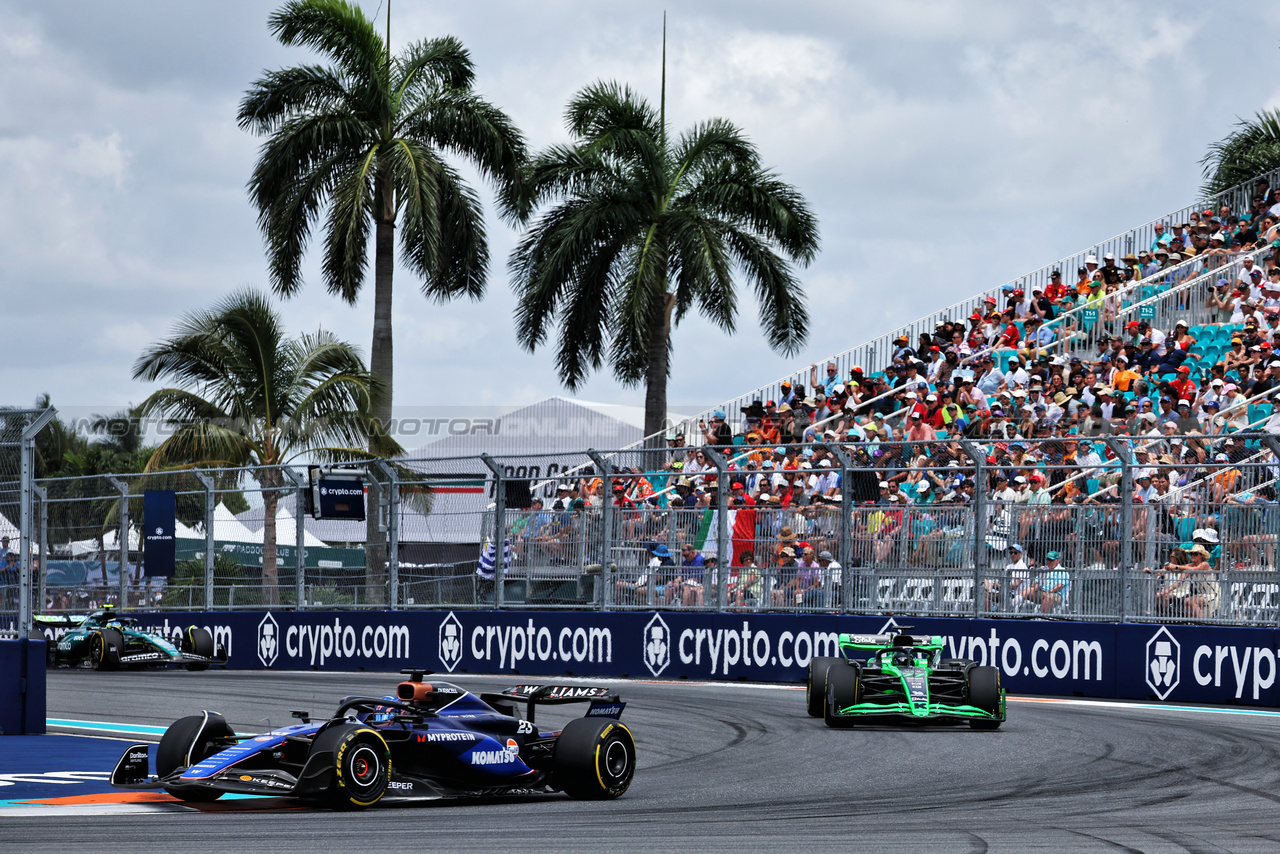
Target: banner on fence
159, 513
1210, 664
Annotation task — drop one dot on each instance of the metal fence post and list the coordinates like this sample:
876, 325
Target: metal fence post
40, 589
301, 484
124, 538
393, 532
723, 548
604, 597
844, 545
27, 479
1274, 446
499, 529
210, 503
980, 556
1121, 450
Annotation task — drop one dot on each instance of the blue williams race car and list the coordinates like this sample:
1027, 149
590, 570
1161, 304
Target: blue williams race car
432, 740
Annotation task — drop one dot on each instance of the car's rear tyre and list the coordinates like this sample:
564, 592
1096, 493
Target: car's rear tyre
361, 766
188, 741
200, 642
105, 647
594, 759
816, 688
844, 688
984, 692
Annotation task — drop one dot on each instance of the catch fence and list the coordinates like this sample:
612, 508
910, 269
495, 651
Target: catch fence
1076, 527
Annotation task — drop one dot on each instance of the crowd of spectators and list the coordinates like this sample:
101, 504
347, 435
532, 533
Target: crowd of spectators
1046, 422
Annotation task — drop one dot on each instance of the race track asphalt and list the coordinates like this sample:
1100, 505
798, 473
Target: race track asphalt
741, 768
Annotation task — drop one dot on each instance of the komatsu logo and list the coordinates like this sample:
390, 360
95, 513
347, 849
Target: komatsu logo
492, 757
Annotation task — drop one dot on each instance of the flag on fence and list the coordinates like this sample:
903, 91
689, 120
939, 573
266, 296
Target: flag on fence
489, 557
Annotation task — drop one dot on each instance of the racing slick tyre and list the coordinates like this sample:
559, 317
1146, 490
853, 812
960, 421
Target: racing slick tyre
187, 741
199, 641
105, 647
844, 688
361, 762
816, 689
984, 692
594, 759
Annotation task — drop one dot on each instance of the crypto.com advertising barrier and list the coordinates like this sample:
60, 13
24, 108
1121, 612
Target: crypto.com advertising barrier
1170, 663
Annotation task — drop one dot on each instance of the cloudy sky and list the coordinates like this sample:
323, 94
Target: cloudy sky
945, 147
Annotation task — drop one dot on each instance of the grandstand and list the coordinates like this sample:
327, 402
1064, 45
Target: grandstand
1143, 296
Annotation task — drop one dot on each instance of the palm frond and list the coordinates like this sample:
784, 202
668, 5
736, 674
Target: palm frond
335, 28
1250, 150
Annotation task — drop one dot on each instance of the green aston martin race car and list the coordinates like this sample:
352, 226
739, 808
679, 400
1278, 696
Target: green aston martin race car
105, 640
903, 678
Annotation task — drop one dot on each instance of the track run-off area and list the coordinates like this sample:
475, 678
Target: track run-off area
722, 766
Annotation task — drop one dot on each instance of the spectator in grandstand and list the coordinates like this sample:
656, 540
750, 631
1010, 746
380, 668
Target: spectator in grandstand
659, 572
717, 431
1051, 585
10, 578
827, 383
784, 578
686, 588
745, 590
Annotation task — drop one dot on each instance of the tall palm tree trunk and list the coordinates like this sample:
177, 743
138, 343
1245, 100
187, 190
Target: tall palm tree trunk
380, 365
655, 394
270, 575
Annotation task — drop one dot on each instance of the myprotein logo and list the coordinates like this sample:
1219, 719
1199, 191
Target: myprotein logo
657, 645
450, 642
1164, 663
268, 640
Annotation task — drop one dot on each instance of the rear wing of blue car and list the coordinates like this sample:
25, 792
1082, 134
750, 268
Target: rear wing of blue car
604, 702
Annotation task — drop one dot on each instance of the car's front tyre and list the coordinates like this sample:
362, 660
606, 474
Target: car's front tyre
200, 642
816, 687
187, 742
361, 766
984, 693
105, 646
844, 689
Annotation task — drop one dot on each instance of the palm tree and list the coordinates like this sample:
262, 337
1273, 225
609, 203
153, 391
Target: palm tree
361, 141
1248, 151
638, 231
245, 395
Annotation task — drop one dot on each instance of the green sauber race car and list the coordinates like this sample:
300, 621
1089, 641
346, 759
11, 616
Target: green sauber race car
903, 678
105, 640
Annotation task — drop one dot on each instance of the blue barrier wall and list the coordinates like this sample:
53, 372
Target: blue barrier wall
22, 703
1170, 663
